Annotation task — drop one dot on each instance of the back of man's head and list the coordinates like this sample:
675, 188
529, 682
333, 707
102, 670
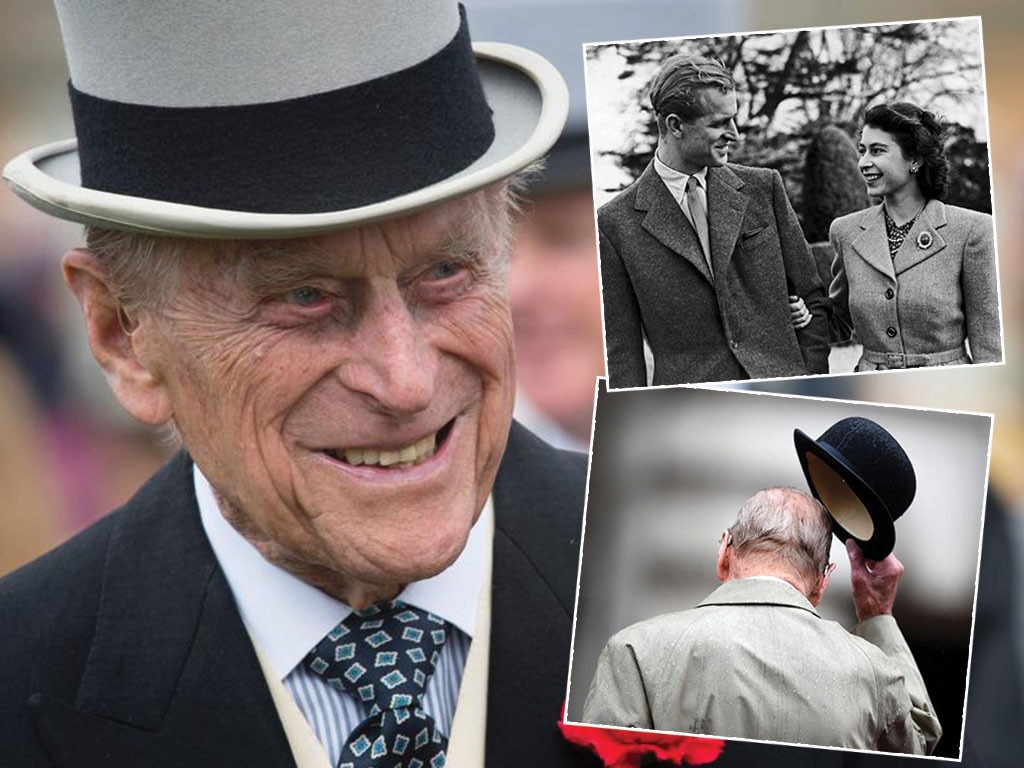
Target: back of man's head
677, 89
782, 529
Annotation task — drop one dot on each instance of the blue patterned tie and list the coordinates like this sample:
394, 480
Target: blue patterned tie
383, 656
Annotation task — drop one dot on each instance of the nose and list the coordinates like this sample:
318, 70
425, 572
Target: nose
393, 363
732, 131
864, 161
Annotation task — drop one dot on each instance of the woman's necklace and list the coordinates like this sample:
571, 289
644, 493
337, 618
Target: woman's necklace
897, 233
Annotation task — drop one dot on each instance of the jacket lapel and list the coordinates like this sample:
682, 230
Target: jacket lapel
872, 243
171, 677
666, 222
726, 209
923, 241
538, 500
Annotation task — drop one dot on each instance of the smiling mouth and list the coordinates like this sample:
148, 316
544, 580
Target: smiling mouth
396, 458
870, 178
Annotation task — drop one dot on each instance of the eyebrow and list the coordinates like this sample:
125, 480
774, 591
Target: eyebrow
265, 266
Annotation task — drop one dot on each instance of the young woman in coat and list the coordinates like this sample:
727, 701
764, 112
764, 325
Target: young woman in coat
913, 278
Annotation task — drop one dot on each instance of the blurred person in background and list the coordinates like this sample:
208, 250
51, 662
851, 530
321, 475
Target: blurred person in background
30, 523
913, 278
556, 301
69, 440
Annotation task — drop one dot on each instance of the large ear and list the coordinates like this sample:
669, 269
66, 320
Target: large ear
822, 584
116, 341
723, 564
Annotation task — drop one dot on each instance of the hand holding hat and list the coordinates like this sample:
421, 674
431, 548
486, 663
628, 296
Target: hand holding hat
863, 477
874, 583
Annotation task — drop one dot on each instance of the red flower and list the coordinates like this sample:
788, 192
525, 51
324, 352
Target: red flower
624, 747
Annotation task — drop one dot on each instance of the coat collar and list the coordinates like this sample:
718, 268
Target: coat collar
759, 591
872, 243
668, 224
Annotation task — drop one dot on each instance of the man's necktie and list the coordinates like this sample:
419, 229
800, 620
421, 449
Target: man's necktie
383, 656
699, 217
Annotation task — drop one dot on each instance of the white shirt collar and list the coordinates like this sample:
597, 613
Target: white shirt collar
287, 617
676, 180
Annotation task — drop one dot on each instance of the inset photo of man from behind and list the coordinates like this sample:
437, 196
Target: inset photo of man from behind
780, 569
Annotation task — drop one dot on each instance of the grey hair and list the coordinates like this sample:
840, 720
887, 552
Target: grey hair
145, 271
787, 526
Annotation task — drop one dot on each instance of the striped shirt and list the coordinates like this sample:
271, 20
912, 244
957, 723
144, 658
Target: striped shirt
287, 617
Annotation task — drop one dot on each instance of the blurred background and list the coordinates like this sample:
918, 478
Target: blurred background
68, 454
671, 468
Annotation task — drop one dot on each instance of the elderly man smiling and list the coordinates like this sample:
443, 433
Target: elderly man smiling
297, 238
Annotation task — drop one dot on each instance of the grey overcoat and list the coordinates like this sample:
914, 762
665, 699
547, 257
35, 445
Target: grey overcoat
755, 660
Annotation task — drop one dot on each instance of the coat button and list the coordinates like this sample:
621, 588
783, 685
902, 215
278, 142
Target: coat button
889, 293
890, 332
735, 345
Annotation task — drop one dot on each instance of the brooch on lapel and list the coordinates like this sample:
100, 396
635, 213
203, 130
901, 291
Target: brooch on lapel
924, 240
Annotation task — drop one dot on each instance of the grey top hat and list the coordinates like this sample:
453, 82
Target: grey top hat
283, 118
863, 477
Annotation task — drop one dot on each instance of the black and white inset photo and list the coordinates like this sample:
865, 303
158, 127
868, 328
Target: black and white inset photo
791, 203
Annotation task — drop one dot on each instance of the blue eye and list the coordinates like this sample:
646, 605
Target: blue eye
445, 270
304, 297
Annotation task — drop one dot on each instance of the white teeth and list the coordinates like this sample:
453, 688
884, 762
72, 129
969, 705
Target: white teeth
403, 457
387, 458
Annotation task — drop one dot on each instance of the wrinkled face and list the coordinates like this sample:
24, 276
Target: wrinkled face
707, 139
882, 163
349, 396
556, 309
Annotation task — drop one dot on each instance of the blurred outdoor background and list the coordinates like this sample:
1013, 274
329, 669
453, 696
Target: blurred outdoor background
671, 468
68, 454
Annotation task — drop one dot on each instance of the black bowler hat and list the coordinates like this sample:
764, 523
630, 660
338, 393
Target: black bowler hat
283, 118
863, 477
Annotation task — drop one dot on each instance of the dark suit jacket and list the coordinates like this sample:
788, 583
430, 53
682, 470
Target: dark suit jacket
656, 283
124, 647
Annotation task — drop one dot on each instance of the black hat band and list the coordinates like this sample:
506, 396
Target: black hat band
341, 149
